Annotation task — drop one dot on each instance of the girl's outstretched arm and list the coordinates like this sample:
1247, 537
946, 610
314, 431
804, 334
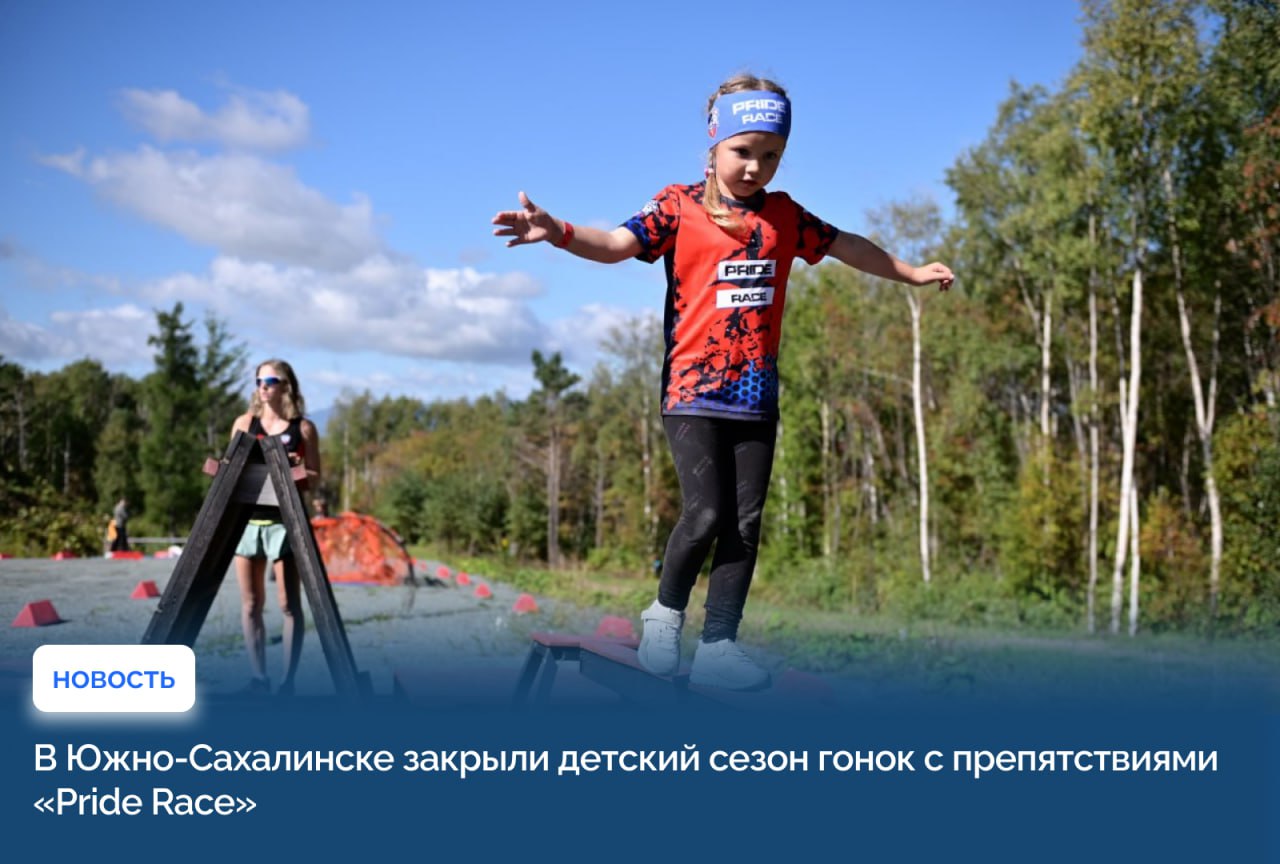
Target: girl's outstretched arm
861, 254
531, 224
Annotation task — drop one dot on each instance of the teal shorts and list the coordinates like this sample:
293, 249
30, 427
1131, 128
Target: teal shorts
264, 540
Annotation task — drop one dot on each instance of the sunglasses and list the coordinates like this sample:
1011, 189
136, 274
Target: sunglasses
270, 381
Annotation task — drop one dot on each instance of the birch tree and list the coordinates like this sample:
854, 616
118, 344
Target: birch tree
1024, 195
911, 231
1138, 56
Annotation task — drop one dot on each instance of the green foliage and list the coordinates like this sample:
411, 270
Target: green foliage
223, 367
1175, 568
968, 598
605, 559
620, 453
36, 521
117, 470
173, 446
446, 484
526, 525
975, 445
359, 431
404, 508
1042, 536
843, 583
1248, 471
554, 377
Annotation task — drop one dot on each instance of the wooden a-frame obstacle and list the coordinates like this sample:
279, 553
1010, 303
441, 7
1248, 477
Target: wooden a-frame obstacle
253, 472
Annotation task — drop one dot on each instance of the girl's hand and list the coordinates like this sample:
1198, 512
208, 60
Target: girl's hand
934, 272
527, 225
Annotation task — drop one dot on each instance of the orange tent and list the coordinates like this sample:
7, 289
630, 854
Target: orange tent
359, 548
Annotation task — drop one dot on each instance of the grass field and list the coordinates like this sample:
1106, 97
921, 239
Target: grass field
920, 655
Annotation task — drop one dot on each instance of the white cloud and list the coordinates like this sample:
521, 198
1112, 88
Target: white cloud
234, 201
38, 275
579, 336
239, 204
386, 325
295, 270
251, 120
384, 304
115, 337
27, 343
72, 163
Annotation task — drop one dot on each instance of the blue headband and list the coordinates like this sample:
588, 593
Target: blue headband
749, 111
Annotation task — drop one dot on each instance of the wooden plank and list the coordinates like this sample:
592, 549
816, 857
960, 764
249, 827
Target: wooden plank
546, 650
618, 668
539, 654
306, 557
204, 561
249, 467
556, 640
255, 485
568, 640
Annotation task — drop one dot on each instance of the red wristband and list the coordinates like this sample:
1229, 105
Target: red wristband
567, 237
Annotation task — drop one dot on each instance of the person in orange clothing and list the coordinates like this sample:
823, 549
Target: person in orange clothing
727, 246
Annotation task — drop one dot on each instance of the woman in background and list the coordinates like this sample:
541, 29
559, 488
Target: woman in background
276, 409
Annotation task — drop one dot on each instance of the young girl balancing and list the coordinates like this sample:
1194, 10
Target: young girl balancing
728, 247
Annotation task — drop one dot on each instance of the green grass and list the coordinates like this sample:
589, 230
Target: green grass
938, 656
933, 654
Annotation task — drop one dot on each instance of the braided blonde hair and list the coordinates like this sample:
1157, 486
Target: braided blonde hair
712, 201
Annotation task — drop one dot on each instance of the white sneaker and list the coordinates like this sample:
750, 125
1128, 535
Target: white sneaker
660, 644
723, 664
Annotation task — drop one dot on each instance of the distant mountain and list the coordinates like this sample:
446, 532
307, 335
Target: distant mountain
321, 418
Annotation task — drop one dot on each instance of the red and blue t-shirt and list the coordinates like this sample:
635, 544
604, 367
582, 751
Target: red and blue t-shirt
725, 295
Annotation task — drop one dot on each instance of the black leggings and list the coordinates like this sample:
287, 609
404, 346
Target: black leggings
723, 467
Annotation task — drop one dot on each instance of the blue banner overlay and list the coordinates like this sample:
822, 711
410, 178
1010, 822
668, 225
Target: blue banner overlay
900, 746
1052, 777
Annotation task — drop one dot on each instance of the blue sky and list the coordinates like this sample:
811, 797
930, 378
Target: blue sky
321, 175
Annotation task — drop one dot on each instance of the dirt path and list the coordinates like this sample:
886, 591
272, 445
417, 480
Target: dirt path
440, 626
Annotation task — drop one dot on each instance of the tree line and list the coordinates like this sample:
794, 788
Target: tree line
1084, 433
74, 441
